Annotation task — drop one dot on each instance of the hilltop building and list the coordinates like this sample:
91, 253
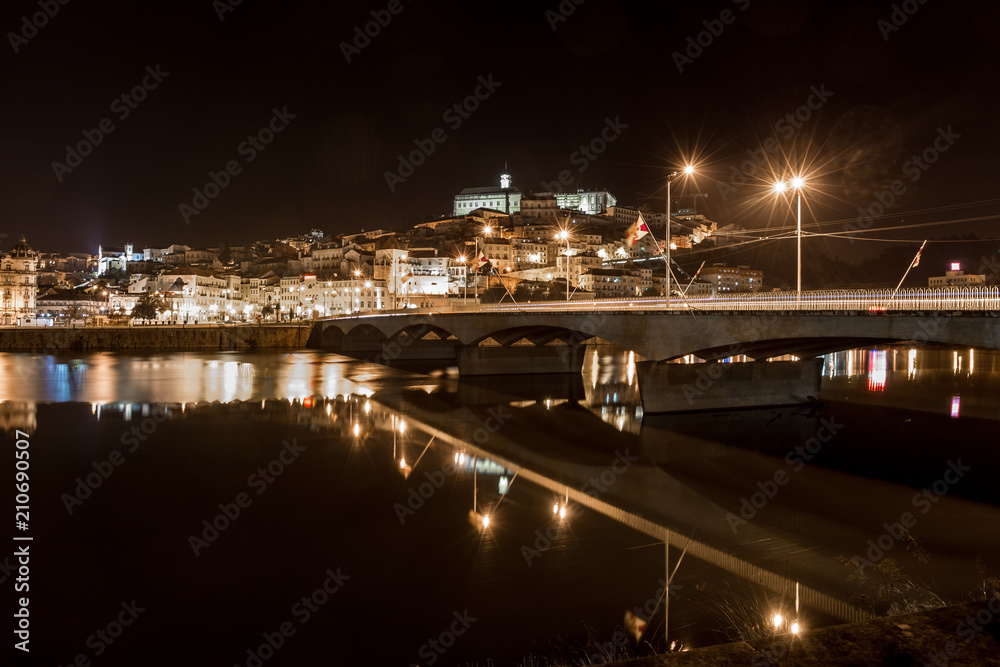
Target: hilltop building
956, 278
506, 199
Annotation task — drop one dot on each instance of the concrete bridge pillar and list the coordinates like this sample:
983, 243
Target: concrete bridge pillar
520, 360
715, 386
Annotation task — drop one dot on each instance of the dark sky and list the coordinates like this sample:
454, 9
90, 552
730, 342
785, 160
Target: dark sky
887, 94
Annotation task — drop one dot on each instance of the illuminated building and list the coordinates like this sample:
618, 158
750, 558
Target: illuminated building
956, 278
18, 285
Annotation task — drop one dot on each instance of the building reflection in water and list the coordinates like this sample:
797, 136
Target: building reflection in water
612, 388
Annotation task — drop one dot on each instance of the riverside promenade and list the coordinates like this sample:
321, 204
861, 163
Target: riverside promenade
155, 337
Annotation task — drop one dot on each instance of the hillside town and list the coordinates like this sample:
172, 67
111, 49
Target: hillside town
498, 244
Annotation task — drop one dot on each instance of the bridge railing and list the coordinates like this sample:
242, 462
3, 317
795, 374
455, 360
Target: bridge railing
950, 299
981, 298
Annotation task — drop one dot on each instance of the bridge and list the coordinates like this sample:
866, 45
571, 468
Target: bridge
550, 337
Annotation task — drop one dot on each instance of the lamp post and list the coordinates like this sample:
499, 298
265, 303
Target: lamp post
487, 230
564, 236
357, 290
687, 171
465, 279
796, 184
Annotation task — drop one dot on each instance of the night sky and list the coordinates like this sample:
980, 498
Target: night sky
884, 83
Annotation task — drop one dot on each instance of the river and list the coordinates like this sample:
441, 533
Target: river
284, 508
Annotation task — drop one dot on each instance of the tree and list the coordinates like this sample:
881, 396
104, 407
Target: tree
267, 311
148, 307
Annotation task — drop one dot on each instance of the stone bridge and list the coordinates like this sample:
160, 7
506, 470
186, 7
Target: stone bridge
548, 341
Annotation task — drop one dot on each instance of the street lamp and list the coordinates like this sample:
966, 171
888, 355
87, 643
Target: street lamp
354, 297
564, 236
687, 171
797, 183
465, 278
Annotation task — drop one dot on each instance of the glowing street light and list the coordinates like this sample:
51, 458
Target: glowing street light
796, 184
687, 171
465, 278
564, 236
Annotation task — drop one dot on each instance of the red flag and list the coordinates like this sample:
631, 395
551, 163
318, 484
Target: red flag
916, 260
636, 231
482, 262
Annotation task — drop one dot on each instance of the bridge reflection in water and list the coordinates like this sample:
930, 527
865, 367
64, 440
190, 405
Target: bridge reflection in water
826, 491
678, 479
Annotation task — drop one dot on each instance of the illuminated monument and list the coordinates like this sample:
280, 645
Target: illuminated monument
505, 198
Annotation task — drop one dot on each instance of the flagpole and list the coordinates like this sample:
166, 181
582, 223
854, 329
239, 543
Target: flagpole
507, 289
916, 260
694, 278
670, 177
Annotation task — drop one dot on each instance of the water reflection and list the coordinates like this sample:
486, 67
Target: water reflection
612, 389
572, 448
959, 383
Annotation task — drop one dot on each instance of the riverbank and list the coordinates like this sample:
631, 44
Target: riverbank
162, 337
963, 635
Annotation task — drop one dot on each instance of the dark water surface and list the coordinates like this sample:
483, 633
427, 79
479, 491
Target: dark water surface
361, 494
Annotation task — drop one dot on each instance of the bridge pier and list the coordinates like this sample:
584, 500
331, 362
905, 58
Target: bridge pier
715, 386
520, 360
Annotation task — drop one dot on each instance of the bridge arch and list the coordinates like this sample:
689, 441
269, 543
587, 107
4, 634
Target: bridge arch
537, 335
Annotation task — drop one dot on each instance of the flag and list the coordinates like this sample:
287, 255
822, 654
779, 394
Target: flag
636, 231
698, 272
483, 263
916, 260
635, 625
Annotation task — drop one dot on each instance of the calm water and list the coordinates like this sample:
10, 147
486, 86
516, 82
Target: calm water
361, 494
